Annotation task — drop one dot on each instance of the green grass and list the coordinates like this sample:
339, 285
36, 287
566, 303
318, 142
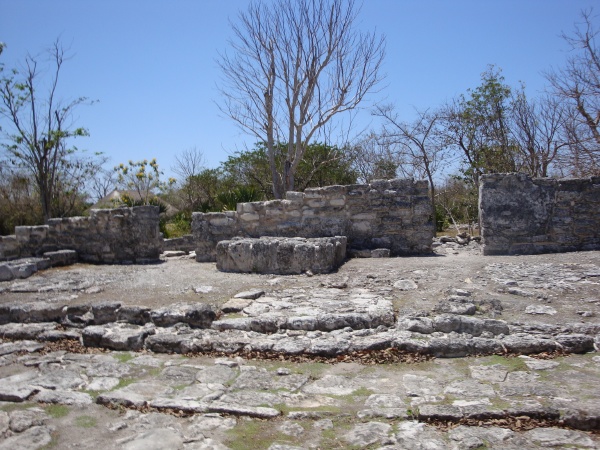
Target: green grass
91, 393
257, 433
123, 382
123, 356
511, 364
16, 406
57, 411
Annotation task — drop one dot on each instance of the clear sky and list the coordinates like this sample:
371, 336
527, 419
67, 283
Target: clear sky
151, 63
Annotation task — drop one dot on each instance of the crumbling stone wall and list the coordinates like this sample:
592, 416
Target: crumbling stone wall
106, 236
521, 215
393, 214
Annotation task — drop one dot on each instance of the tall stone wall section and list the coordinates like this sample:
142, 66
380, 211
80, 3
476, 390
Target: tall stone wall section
393, 214
521, 215
121, 235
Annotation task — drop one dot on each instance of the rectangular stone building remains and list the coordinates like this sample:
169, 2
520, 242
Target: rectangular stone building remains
394, 214
121, 235
521, 215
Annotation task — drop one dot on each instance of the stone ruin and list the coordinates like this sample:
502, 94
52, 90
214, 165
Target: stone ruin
283, 256
519, 215
392, 214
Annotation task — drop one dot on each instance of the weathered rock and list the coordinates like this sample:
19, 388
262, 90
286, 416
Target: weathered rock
242, 410
250, 295
423, 325
5, 272
281, 255
540, 309
158, 439
575, 343
61, 257
447, 323
16, 393
105, 312
235, 305
36, 312
63, 397
116, 336
405, 285
34, 437
137, 315
197, 315
25, 330
165, 343
557, 437
365, 434
19, 346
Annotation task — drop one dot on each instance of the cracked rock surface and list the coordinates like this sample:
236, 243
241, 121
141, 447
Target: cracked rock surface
161, 356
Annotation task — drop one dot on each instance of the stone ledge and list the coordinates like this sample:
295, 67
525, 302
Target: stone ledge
284, 256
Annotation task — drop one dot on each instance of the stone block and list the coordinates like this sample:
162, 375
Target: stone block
281, 255
196, 315
61, 257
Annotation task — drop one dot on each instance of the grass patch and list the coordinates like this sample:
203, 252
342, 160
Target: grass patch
123, 356
16, 406
512, 364
330, 438
255, 434
123, 382
362, 391
57, 411
93, 394
86, 421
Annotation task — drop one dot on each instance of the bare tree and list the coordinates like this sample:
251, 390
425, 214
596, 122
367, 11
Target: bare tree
196, 183
189, 163
296, 64
40, 125
538, 132
419, 144
578, 83
373, 159
102, 183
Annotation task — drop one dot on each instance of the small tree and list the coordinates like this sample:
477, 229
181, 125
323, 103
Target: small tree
478, 126
39, 125
143, 178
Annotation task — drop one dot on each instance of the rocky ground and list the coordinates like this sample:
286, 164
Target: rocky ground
456, 350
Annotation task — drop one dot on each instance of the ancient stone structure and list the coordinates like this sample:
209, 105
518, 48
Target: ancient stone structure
521, 215
107, 236
392, 214
284, 256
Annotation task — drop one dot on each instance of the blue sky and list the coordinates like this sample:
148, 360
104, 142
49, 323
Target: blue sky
151, 63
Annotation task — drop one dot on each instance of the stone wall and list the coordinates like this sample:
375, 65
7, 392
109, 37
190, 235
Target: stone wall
521, 215
119, 235
393, 214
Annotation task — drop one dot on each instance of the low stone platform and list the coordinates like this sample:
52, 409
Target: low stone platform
284, 256
25, 267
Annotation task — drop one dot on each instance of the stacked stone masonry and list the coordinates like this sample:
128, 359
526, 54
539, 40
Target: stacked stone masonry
393, 214
521, 215
122, 235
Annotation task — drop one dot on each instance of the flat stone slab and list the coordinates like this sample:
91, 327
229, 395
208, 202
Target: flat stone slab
283, 256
